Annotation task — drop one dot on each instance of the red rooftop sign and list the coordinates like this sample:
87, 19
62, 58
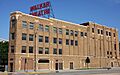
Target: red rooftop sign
40, 9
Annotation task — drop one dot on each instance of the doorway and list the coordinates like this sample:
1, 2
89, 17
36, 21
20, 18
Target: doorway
56, 66
11, 67
111, 64
71, 65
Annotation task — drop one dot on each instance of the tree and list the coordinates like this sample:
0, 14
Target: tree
3, 53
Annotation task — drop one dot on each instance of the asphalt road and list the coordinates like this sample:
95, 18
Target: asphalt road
115, 71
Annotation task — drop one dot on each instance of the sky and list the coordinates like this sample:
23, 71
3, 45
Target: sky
105, 12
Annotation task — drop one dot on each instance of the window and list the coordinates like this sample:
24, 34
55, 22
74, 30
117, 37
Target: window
60, 41
92, 30
114, 34
76, 43
71, 32
81, 34
67, 32
43, 61
46, 50
54, 29
24, 24
110, 53
85, 33
40, 38
101, 31
107, 52
107, 33
30, 37
41, 27
24, 36
46, 39
40, 50
114, 46
67, 41
23, 49
47, 28
76, 33
60, 51
60, 66
12, 49
60, 30
72, 42
54, 50
13, 22
31, 26
30, 49
98, 31
12, 36
55, 40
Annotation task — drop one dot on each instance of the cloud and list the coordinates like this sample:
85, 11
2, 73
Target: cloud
115, 1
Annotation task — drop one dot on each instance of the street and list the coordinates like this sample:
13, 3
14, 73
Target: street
113, 71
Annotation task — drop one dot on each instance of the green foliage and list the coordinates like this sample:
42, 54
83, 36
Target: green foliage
3, 53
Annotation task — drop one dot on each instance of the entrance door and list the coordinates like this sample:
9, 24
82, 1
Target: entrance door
56, 66
60, 66
111, 64
11, 67
71, 65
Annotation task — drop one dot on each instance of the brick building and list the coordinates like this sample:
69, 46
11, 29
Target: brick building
37, 44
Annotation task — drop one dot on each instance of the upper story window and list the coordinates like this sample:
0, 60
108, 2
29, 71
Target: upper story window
60, 41
24, 36
67, 32
93, 30
85, 33
30, 49
23, 49
40, 38
46, 39
67, 41
24, 24
98, 31
71, 32
30, 37
114, 46
76, 33
81, 34
46, 50
40, 50
47, 28
31, 25
54, 29
60, 51
76, 43
114, 34
12, 36
41, 27
60, 30
54, 50
107, 33
55, 40
72, 42
101, 31
12, 49
13, 23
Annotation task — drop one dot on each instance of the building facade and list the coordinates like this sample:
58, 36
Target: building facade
37, 44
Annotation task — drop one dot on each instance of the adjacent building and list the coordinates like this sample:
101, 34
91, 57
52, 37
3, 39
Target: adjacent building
37, 44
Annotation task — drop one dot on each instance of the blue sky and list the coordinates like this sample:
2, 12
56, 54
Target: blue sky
106, 12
